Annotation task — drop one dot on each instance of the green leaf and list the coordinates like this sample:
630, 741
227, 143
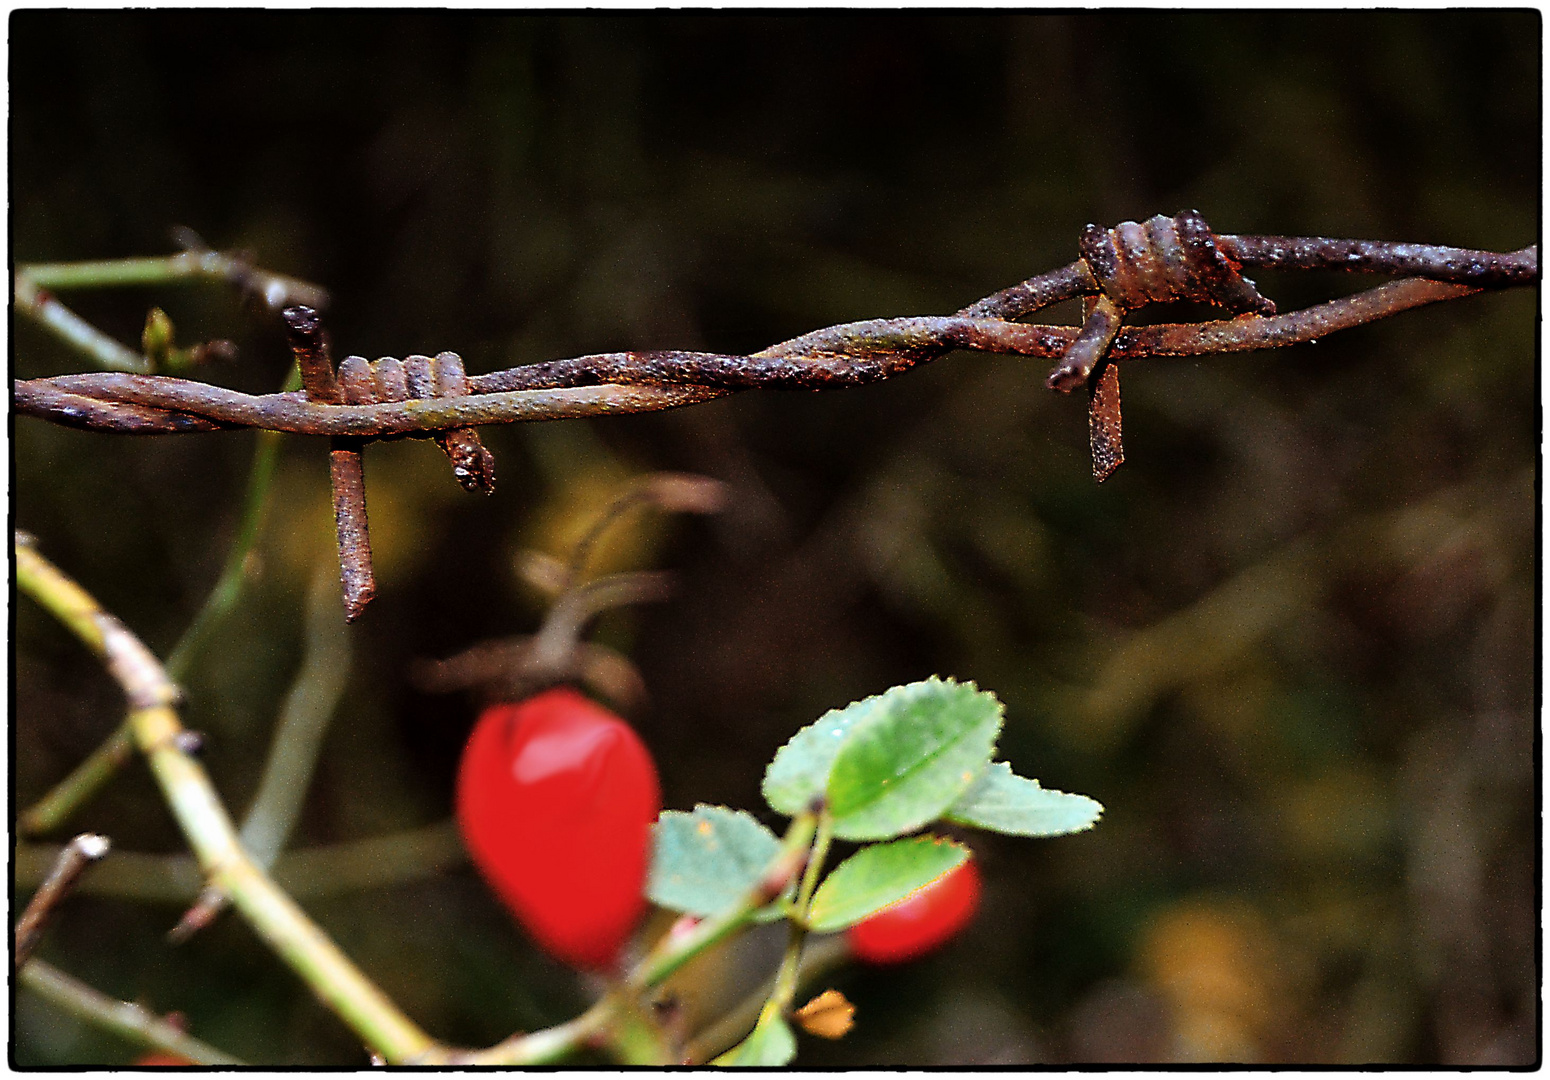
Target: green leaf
910, 757
800, 770
705, 862
770, 1044
879, 875
1003, 802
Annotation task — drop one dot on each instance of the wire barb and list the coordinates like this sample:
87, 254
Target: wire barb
1133, 265
360, 382
1104, 424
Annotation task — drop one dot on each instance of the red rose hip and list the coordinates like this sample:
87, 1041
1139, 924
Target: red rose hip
921, 921
555, 800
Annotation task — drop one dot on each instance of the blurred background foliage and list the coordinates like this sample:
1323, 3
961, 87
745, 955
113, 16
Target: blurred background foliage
1291, 645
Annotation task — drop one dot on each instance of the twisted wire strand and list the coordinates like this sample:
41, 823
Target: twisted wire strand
852, 354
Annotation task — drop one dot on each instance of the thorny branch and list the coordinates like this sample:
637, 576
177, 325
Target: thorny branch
101, 764
132, 1021
1120, 270
72, 862
204, 820
293, 751
226, 864
36, 284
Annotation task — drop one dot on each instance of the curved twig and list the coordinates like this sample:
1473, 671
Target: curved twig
205, 823
71, 863
132, 1021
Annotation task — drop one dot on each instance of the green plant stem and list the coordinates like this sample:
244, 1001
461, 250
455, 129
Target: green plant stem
554, 1044
129, 875
102, 350
814, 869
276, 917
304, 719
669, 956
86, 779
547, 1046
293, 751
785, 988
208, 828
133, 1022
276, 289
326, 870
818, 957
228, 586
634, 1039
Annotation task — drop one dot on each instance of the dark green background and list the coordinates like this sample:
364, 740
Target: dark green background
1321, 837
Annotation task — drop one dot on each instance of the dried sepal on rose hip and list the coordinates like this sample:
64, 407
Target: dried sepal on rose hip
829, 1015
555, 800
922, 921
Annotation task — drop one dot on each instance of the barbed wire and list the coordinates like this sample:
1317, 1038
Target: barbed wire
1120, 270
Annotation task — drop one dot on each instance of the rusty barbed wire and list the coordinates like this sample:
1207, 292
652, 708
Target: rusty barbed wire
1120, 270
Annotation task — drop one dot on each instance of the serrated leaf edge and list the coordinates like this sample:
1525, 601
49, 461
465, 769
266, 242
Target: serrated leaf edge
974, 690
947, 681
948, 814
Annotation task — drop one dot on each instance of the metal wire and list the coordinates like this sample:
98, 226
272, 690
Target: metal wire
1120, 270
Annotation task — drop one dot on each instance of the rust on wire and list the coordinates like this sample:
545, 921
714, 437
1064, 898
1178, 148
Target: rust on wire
472, 464
310, 347
423, 378
1091, 346
1104, 425
1135, 264
347, 472
1486, 269
346, 475
1120, 270
359, 382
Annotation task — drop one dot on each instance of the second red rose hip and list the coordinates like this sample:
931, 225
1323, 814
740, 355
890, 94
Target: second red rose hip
920, 922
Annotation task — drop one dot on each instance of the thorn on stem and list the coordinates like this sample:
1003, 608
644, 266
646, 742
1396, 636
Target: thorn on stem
187, 239
203, 912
